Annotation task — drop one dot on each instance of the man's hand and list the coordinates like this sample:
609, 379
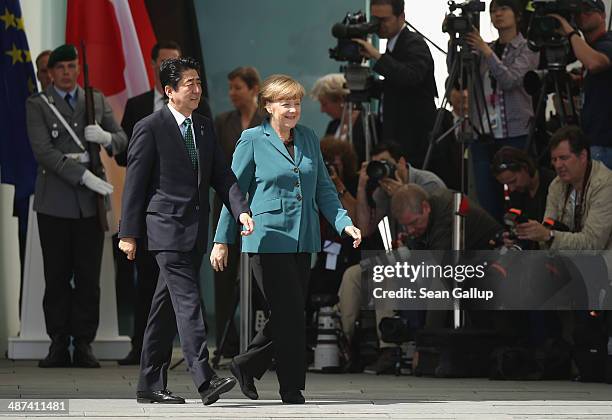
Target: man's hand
367, 49
218, 256
533, 231
247, 223
96, 184
95, 134
390, 185
128, 247
475, 41
354, 233
565, 28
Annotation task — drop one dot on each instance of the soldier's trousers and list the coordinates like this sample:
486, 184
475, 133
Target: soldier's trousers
72, 255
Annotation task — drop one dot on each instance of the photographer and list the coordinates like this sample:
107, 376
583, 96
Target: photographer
579, 197
379, 191
527, 184
374, 195
595, 53
508, 107
408, 90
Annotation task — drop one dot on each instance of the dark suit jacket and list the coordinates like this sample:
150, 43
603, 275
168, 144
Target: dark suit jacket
408, 90
139, 107
161, 187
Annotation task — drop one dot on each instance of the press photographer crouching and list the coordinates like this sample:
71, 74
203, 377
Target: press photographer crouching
527, 186
408, 90
595, 53
579, 199
378, 181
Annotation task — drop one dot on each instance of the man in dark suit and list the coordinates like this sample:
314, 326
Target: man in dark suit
147, 271
173, 159
409, 88
66, 202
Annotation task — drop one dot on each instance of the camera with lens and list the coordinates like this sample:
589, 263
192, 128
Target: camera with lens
354, 25
542, 31
466, 21
380, 169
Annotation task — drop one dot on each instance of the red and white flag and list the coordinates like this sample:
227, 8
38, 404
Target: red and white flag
118, 37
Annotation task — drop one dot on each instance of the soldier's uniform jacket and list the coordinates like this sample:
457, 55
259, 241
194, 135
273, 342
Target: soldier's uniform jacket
58, 190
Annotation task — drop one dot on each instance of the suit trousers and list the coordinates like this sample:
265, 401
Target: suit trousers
176, 304
147, 273
283, 280
72, 250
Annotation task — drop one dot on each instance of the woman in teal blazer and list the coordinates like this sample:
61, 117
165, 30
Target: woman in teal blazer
280, 165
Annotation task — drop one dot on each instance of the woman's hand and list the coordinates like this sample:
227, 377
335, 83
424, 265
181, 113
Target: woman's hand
475, 41
354, 233
247, 223
218, 257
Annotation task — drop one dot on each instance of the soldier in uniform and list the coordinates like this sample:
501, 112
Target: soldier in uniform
65, 199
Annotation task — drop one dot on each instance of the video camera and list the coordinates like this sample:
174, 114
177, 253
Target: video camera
542, 31
354, 25
467, 20
359, 79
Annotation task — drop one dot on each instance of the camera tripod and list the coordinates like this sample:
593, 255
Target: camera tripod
358, 81
553, 79
464, 73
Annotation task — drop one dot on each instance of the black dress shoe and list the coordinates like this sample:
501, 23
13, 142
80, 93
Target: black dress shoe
292, 397
84, 357
57, 357
132, 358
161, 397
216, 387
247, 386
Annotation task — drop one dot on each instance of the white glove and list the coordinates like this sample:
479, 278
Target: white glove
96, 184
95, 134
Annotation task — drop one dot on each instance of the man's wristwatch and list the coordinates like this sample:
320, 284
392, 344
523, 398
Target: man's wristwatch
341, 193
571, 34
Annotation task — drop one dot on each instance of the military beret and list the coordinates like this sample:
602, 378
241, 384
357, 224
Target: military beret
66, 52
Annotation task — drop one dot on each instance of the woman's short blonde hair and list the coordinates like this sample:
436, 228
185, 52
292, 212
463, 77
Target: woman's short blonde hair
279, 87
330, 86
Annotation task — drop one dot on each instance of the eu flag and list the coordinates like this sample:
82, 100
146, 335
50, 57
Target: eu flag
17, 164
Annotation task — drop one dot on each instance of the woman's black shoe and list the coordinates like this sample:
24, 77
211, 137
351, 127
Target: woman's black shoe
161, 397
292, 397
247, 386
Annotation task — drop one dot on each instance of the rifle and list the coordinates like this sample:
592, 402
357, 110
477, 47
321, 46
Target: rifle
94, 149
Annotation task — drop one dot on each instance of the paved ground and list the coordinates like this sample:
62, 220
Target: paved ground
109, 393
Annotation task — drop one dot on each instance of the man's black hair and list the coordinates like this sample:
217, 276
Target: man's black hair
577, 139
164, 45
393, 148
396, 5
171, 70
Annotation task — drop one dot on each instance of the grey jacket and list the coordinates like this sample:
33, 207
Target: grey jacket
58, 191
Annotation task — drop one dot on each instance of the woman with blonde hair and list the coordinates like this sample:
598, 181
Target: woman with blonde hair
279, 164
332, 94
